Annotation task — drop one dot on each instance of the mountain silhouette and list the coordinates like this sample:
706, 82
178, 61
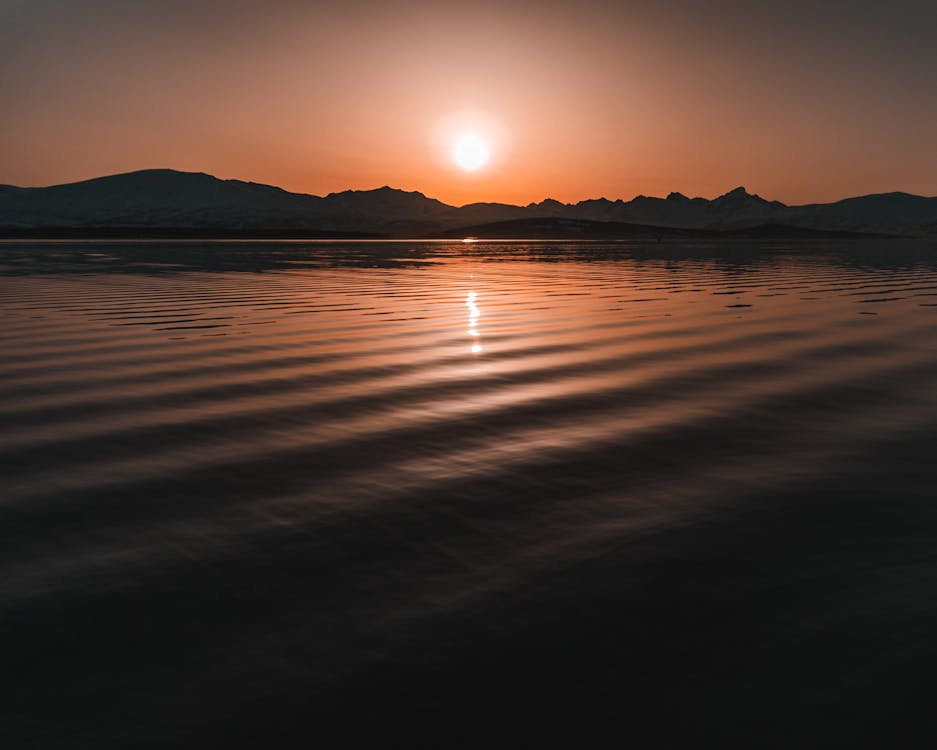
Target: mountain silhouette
165, 201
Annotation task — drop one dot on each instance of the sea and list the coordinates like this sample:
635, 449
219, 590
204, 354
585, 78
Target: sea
468, 494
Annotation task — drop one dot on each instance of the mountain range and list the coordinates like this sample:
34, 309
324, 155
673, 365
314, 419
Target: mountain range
167, 202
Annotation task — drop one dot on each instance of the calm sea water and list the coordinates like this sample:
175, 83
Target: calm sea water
393, 494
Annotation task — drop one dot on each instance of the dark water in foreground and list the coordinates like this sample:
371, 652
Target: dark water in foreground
376, 494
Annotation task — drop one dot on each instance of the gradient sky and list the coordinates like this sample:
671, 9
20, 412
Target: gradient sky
798, 101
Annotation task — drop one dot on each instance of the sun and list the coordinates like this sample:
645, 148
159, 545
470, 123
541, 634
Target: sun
470, 152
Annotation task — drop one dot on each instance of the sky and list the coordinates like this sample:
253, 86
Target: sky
798, 101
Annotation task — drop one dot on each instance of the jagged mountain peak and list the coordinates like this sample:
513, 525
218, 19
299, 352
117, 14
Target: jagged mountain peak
597, 202
739, 196
550, 203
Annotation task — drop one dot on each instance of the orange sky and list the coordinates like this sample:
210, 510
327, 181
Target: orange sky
595, 99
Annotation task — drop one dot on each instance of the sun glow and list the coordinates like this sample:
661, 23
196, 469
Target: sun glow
471, 152
471, 143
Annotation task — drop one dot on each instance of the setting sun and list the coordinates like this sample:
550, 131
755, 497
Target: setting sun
470, 152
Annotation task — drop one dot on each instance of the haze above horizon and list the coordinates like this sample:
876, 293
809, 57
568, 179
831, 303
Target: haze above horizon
799, 103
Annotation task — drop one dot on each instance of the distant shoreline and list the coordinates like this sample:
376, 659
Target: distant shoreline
180, 233
518, 230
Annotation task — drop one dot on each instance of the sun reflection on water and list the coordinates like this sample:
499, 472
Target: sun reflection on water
474, 314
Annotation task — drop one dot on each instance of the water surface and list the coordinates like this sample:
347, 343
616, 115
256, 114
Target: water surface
342, 494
